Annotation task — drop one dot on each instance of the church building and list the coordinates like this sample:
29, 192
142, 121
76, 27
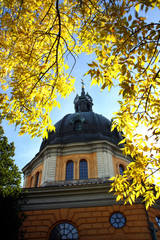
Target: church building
67, 184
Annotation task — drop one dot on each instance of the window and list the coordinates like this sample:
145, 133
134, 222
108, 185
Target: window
121, 169
158, 221
64, 231
31, 182
83, 169
69, 170
78, 126
37, 179
77, 123
117, 220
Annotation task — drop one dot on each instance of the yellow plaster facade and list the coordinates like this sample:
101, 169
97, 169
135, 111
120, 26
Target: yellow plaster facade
117, 162
31, 179
61, 162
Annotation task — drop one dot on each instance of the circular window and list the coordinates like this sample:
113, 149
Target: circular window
64, 231
158, 221
117, 220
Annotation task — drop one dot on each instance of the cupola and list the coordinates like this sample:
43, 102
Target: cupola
84, 102
82, 126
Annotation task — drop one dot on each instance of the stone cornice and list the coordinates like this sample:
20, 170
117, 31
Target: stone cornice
72, 196
53, 197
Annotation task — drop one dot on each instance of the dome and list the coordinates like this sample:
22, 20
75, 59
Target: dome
82, 126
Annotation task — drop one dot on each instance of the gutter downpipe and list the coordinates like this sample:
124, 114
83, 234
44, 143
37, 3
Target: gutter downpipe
152, 229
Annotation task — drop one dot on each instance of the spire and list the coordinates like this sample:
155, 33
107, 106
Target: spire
84, 102
83, 91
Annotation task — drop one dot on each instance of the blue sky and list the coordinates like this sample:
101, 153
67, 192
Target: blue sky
105, 103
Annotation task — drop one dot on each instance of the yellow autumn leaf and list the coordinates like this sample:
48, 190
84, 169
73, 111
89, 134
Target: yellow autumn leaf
118, 198
137, 6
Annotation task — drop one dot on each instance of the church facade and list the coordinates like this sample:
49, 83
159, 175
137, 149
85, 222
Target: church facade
68, 182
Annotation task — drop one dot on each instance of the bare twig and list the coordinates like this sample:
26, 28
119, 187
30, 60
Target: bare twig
47, 12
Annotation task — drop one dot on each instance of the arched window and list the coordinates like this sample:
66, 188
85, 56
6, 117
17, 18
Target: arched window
31, 182
121, 169
69, 170
64, 231
37, 179
83, 169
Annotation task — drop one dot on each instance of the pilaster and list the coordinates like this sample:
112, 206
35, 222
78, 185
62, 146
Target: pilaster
105, 164
49, 169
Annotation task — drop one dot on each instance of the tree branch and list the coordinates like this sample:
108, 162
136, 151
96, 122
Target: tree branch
47, 12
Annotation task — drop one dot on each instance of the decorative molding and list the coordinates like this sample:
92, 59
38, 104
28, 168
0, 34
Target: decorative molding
54, 197
72, 196
77, 118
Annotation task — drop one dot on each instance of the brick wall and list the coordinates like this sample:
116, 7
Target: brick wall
92, 223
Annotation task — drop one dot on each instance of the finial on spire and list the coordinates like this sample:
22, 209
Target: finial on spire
82, 81
83, 92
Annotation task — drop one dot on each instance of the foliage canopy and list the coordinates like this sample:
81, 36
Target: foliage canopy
36, 39
10, 177
10, 191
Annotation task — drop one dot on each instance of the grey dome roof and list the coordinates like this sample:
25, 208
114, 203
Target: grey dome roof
82, 126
